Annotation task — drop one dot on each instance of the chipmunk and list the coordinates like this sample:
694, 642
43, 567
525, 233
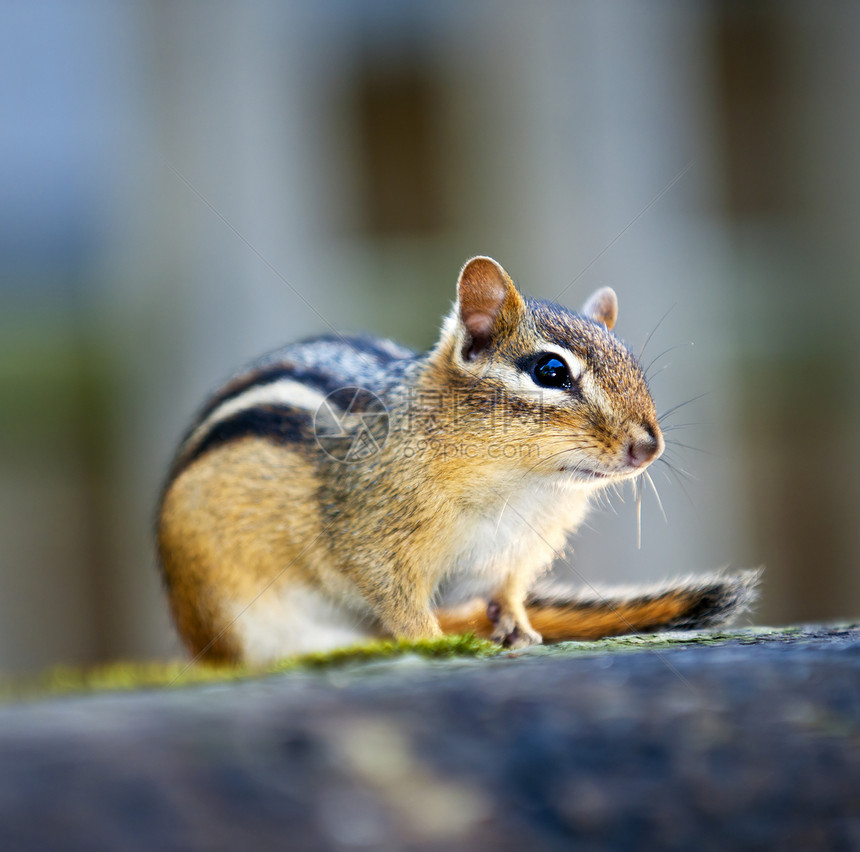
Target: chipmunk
326, 493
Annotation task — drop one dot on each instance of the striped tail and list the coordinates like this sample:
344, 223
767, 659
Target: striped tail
559, 614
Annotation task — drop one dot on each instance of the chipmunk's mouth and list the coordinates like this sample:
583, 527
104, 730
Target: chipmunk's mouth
586, 475
582, 473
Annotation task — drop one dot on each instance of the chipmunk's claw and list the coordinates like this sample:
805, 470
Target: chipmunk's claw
508, 632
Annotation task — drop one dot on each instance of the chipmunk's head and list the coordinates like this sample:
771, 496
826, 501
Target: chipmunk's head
567, 388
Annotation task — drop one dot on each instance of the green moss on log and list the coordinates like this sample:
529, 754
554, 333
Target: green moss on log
123, 676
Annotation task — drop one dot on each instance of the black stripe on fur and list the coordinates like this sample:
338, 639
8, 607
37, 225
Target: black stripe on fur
710, 601
277, 423
318, 380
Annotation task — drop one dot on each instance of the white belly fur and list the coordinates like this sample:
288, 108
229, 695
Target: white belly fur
530, 529
290, 620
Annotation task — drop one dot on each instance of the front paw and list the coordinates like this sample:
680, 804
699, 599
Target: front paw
508, 632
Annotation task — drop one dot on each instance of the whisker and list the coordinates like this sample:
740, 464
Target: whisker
669, 460
650, 379
681, 405
666, 352
674, 443
677, 470
653, 330
683, 487
665, 429
666, 475
656, 494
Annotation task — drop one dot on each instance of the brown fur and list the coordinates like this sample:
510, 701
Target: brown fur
227, 534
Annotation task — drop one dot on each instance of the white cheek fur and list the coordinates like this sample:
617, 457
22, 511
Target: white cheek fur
523, 385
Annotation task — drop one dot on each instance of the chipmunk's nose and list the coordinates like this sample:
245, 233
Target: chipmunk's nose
641, 451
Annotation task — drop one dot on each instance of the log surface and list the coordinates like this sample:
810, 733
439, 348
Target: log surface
737, 741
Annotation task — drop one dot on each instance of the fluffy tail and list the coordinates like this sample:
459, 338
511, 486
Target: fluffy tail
559, 614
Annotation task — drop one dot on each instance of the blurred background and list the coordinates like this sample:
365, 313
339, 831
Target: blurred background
185, 185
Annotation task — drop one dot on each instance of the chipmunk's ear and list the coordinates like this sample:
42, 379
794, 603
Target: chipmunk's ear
488, 302
602, 307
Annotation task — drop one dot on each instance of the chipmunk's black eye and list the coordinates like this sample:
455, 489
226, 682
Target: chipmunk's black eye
549, 371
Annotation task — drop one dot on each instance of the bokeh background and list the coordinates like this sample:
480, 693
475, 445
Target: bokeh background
184, 185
